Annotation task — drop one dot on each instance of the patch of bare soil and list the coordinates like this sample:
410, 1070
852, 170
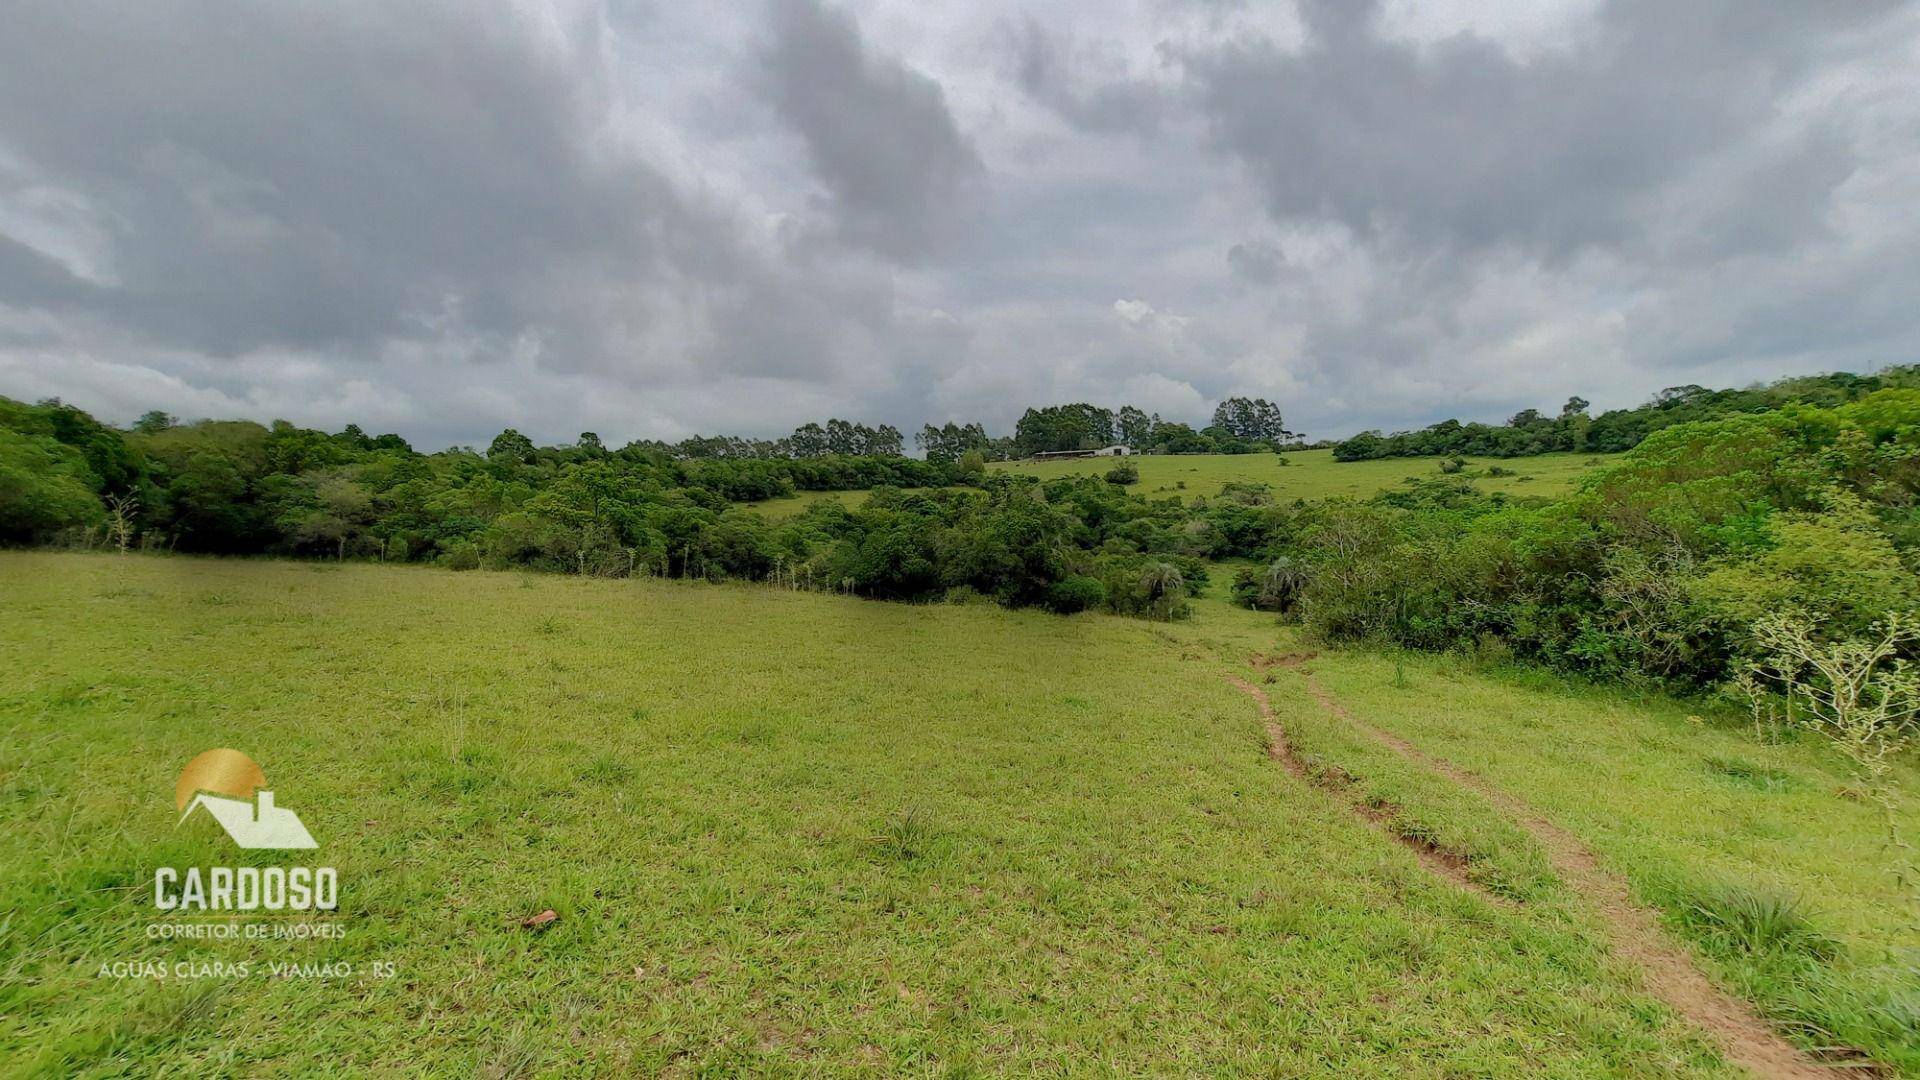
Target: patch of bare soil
1446, 863
1669, 972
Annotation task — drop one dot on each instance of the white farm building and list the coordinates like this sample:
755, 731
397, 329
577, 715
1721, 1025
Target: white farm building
1106, 451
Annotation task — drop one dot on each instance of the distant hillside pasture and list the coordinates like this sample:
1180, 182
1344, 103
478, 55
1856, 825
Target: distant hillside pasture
1313, 474
797, 503
1306, 474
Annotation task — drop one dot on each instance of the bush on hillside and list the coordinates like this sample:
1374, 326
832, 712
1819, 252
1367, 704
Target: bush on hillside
45, 488
1076, 593
1657, 567
1275, 587
460, 555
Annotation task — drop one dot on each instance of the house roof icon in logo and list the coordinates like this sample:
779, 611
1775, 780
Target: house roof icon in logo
233, 789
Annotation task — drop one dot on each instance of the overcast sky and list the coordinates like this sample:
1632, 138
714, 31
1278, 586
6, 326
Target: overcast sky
656, 219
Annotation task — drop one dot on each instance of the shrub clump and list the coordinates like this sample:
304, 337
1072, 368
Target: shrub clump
461, 555
1076, 593
1274, 587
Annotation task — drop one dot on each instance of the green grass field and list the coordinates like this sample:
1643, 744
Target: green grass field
1689, 810
1306, 474
1313, 474
796, 504
798, 834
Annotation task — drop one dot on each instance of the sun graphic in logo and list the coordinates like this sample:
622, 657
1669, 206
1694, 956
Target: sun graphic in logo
233, 788
223, 772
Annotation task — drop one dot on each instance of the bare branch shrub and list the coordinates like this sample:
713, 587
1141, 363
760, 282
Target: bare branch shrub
121, 510
1858, 694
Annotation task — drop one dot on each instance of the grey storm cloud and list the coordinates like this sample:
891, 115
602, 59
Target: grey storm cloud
900, 176
329, 176
1459, 143
1096, 92
443, 218
337, 179
1258, 261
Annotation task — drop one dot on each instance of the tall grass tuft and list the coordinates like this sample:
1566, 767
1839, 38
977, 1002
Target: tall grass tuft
905, 837
1757, 922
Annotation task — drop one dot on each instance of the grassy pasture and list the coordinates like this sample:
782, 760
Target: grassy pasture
1691, 810
1313, 474
784, 834
796, 504
1707, 823
1307, 474
800, 834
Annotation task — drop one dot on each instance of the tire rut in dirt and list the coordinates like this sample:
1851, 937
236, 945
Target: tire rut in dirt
1447, 864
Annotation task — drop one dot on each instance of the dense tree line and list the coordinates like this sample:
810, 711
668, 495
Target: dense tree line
835, 438
1573, 430
1240, 426
237, 487
951, 441
1658, 568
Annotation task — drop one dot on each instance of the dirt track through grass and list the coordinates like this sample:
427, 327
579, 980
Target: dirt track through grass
1668, 971
1450, 865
